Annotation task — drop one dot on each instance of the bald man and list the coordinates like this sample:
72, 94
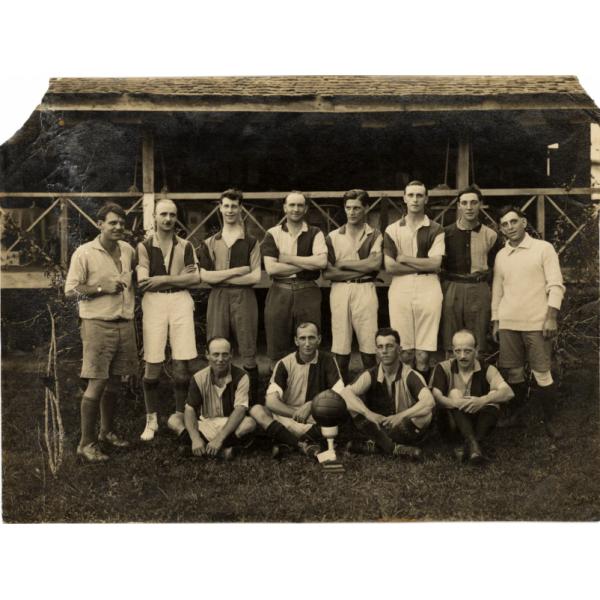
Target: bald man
470, 393
167, 266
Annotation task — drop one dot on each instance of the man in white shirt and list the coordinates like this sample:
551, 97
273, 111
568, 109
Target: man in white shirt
527, 293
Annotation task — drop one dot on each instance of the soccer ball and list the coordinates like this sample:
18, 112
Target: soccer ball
329, 409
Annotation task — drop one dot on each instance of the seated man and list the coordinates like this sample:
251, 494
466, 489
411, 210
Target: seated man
296, 380
215, 411
397, 408
470, 392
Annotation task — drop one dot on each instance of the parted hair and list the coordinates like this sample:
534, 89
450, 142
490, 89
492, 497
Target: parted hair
305, 324
294, 192
471, 189
361, 195
232, 194
110, 207
385, 331
510, 208
415, 182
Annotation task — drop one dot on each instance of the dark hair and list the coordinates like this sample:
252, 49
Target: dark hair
415, 182
305, 324
360, 195
385, 331
471, 189
110, 207
506, 209
232, 194
214, 338
295, 192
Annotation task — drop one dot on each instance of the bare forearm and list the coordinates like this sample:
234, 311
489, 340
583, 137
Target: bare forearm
281, 269
354, 402
248, 279
395, 268
443, 400
276, 406
184, 280
190, 418
365, 265
311, 263
235, 418
215, 277
502, 394
423, 265
421, 409
335, 274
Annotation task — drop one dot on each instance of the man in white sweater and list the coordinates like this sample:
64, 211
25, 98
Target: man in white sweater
527, 293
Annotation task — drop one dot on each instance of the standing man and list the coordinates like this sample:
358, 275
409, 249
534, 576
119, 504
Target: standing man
167, 266
527, 294
100, 277
296, 380
353, 261
294, 254
397, 409
471, 393
217, 403
230, 263
467, 268
413, 248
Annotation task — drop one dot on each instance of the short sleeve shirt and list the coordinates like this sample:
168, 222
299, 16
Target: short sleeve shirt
210, 400
341, 246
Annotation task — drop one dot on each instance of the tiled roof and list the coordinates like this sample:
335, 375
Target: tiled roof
338, 85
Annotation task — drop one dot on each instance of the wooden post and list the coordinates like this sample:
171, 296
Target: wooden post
463, 163
541, 216
148, 179
63, 232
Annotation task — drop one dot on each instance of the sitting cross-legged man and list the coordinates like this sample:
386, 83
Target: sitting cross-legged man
470, 393
397, 409
217, 403
297, 379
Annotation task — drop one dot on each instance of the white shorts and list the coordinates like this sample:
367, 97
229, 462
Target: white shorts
168, 316
353, 306
415, 303
298, 429
210, 427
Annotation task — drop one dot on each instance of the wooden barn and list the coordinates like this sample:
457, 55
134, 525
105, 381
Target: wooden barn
532, 141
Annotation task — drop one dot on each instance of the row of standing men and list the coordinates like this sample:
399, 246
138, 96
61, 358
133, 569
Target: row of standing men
527, 293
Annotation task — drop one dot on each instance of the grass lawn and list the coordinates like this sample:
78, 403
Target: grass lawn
529, 479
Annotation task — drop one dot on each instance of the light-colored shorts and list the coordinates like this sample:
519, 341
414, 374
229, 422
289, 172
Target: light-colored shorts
520, 347
109, 348
210, 427
353, 307
415, 304
298, 429
168, 316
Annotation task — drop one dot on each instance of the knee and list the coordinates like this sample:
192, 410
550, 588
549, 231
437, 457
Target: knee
455, 394
152, 370
543, 378
95, 388
407, 356
515, 375
248, 425
181, 376
261, 415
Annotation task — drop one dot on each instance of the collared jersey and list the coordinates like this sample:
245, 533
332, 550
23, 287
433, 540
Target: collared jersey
216, 255
424, 242
485, 377
298, 382
340, 246
527, 280
151, 260
209, 400
309, 242
90, 264
389, 398
470, 250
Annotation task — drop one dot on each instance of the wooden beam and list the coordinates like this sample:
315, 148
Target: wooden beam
463, 163
63, 228
540, 214
148, 179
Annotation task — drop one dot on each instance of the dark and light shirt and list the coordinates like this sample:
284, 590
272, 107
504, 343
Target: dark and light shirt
341, 246
152, 261
309, 242
470, 250
389, 396
90, 264
297, 381
210, 400
484, 378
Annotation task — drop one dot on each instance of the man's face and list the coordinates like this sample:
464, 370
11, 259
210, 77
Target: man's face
219, 356
230, 209
469, 206
387, 349
165, 214
295, 207
355, 212
113, 227
465, 352
513, 227
415, 198
308, 340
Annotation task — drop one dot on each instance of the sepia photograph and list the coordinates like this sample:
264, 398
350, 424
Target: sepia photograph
298, 290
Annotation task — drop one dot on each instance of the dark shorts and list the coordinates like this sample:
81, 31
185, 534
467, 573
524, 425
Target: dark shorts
466, 306
520, 347
109, 348
234, 312
285, 309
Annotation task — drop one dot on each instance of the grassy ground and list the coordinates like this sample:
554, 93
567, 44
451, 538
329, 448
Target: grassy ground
530, 479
